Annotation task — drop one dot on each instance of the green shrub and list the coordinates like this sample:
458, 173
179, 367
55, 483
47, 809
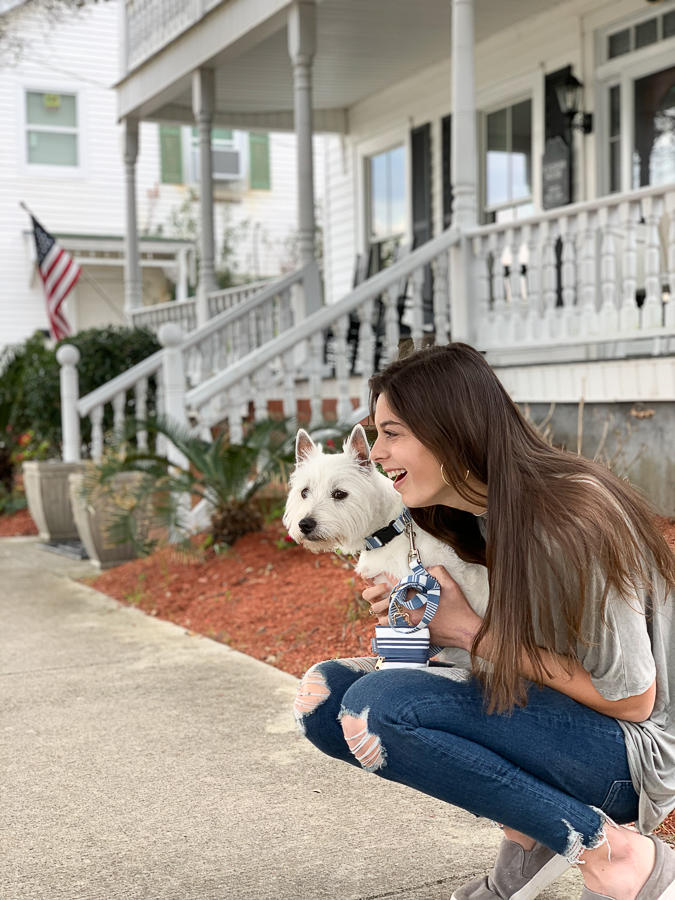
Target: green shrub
30, 398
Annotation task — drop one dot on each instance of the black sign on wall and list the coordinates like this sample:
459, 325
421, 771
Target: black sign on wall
557, 162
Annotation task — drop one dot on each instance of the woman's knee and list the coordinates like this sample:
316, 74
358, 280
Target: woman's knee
322, 680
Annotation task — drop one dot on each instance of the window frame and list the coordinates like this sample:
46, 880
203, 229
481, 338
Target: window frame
51, 170
624, 71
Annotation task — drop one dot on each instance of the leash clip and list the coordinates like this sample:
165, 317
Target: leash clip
413, 553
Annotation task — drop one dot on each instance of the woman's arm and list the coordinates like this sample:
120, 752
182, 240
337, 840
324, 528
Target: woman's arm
456, 625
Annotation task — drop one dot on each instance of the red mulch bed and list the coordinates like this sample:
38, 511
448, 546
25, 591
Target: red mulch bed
280, 604
19, 524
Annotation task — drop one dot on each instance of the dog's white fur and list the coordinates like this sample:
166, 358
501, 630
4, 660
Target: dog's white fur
372, 502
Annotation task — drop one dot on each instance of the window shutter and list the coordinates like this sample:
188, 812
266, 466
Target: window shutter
259, 154
446, 127
171, 154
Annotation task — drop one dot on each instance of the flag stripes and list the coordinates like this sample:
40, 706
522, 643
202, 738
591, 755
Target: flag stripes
59, 274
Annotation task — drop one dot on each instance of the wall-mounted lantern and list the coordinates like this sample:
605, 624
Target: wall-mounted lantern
570, 98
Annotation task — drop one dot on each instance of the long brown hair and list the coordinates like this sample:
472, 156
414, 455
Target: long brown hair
553, 517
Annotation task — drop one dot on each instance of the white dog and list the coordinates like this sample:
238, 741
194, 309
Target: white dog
338, 500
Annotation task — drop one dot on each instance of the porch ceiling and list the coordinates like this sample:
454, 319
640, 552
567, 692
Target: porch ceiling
362, 47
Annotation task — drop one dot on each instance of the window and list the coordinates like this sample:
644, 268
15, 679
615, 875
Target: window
387, 216
171, 154
51, 129
259, 161
226, 159
658, 28
508, 162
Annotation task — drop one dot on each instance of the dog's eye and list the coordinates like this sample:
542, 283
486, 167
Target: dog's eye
304, 492
339, 495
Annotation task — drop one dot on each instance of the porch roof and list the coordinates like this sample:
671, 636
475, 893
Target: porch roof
362, 47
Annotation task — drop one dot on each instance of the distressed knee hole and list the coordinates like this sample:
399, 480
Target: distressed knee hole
312, 692
366, 747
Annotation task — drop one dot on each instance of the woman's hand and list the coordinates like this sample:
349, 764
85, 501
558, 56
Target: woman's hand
455, 623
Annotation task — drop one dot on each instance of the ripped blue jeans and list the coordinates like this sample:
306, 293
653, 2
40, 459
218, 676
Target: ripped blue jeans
549, 770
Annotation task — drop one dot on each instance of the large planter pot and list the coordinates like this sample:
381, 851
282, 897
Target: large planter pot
92, 515
47, 493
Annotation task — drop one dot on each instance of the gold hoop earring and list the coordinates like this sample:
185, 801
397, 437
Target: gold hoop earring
449, 484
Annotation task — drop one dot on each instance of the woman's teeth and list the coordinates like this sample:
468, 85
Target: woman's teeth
394, 473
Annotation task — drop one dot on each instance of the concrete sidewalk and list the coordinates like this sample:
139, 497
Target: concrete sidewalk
141, 762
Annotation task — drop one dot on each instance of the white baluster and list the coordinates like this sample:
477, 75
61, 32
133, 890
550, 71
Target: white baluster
568, 275
366, 348
315, 348
260, 387
670, 305
630, 314
161, 442
550, 281
267, 324
498, 289
609, 316
141, 395
391, 328
119, 403
68, 357
652, 309
441, 298
533, 320
344, 404
480, 252
96, 417
589, 304
234, 417
514, 328
417, 312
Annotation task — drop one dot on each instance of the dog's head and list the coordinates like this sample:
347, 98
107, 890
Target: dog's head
335, 498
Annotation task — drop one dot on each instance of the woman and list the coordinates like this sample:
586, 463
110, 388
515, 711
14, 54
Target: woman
566, 729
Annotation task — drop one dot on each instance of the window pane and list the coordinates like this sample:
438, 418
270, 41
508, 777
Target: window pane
646, 33
259, 149
497, 162
615, 110
654, 149
521, 147
51, 109
221, 134
619, 43
669, 25
614, 166
397, 190
52, 149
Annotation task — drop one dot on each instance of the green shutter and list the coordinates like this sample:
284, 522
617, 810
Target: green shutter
171, 154
259, 151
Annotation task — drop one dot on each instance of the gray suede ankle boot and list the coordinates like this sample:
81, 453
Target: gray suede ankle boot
516, 875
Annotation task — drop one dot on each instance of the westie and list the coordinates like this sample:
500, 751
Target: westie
338, 500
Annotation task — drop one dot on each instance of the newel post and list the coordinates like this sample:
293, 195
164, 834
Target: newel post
68, 356
170, 336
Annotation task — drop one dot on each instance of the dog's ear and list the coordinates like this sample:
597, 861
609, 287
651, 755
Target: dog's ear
358, 446
303, 446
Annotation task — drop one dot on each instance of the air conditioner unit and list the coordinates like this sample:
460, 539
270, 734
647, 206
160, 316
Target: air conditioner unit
226, 164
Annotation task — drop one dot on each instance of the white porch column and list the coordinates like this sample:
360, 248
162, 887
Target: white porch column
203, 102
464, 168
133, 297
301, 48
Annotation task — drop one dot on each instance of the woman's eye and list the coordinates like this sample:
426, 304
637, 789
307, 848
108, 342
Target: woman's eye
304, 493
339, 495
390, 433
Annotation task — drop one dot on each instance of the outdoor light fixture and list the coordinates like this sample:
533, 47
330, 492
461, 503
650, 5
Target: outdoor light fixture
570, 98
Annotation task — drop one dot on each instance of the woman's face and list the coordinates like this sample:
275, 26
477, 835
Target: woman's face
418, 472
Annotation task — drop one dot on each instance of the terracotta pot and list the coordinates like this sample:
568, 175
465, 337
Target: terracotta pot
47, 493
92, 516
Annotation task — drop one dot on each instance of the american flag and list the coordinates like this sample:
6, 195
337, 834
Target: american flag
59, 274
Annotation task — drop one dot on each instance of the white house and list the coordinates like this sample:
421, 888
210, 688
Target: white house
514, 160
61, 154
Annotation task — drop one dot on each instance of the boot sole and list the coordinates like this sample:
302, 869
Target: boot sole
548, 873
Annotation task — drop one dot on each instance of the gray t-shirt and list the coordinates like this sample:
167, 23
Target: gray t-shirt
623, 656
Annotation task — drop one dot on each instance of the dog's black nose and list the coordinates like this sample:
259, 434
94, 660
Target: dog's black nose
306, 525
